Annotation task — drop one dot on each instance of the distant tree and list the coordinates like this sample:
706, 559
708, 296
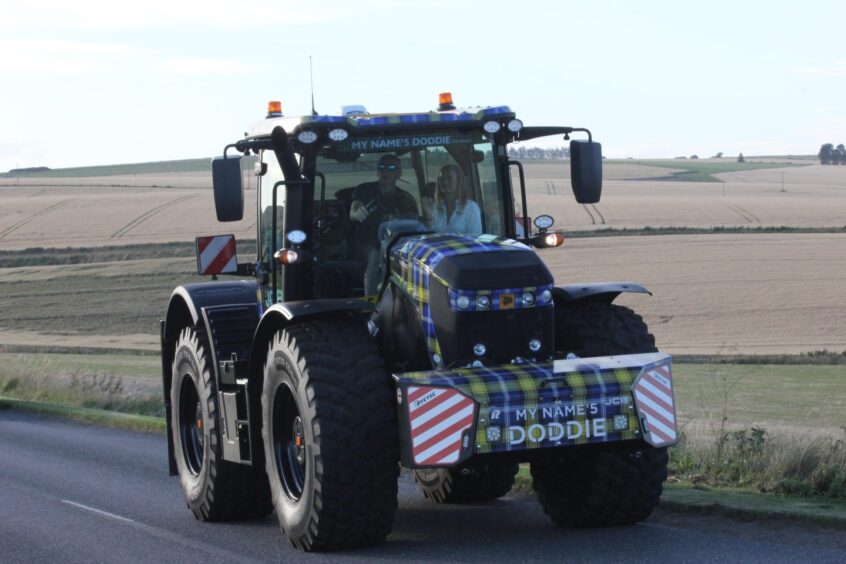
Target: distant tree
694, 156
841, 154
826, 153
680, 158
718, 155
740, 158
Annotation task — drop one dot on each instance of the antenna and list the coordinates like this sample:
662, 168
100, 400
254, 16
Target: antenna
311, 78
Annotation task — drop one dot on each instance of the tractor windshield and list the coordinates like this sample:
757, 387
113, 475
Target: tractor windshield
444, 182
367, 188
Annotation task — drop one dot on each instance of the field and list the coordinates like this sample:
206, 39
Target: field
739, 291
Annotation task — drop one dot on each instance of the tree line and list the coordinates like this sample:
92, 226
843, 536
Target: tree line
829, 154
555, 153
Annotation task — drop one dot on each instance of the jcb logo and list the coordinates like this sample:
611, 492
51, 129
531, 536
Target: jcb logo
506, 301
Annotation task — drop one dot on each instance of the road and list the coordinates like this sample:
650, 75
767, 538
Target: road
73, 493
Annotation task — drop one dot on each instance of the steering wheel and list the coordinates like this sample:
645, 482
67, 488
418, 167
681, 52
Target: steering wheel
380, 208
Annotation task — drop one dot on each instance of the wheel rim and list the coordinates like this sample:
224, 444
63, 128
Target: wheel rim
289, 448
191, 425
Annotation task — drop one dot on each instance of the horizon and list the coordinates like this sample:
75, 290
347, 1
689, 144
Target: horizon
164, 81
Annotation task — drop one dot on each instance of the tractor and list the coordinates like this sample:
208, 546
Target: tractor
398, 315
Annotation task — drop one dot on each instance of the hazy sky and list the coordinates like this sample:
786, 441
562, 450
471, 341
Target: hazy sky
93, 82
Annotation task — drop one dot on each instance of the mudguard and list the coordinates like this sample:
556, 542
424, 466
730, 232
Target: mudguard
448, 416
201, 305
279, 315
601, 291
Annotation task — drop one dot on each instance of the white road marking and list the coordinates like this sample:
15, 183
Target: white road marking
98, 511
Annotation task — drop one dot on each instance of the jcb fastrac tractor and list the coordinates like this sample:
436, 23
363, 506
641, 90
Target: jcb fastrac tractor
397, 315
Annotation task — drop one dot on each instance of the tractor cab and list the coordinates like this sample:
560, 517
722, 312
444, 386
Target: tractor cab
337, 191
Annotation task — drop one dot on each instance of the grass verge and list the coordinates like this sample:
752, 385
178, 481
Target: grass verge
740, 504
100, 417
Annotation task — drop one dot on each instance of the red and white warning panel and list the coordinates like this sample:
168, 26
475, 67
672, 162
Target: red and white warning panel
216, 255
438, 418
653, 394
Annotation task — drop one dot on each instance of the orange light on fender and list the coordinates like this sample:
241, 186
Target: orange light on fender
553, 240
286, 256
274, 108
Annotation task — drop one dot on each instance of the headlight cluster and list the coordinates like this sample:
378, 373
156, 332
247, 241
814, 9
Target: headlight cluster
309, 136
500, 299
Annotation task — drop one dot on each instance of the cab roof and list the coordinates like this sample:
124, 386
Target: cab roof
362, 124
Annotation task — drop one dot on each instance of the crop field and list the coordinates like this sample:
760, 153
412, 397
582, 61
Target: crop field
713, 293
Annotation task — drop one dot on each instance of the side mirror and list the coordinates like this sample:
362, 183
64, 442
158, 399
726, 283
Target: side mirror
228, 190
586, 171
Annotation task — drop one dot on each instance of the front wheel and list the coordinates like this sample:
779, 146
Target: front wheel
610, 485
330, 435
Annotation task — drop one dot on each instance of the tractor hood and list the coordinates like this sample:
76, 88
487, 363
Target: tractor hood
477, 263
476, 299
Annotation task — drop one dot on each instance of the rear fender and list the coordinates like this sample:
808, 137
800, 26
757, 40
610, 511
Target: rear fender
605, 292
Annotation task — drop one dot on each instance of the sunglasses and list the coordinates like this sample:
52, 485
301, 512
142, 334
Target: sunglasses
390, 167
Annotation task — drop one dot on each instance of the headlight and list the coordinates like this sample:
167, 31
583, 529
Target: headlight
492, 126
528, 299
484, 302
515, 125
338, 134
307, 136
534, 345
479, 349
545, 296
463, 302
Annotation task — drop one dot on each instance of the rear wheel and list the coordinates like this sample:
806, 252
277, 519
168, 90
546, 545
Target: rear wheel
482, 482
330, 435
214, 490
601, 486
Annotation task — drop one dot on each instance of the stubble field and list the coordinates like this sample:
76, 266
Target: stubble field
713, 293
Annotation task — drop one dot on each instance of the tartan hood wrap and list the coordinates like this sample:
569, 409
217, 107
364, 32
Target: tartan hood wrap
422, 263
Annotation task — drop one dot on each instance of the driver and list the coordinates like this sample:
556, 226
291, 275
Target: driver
372, 204
383, 195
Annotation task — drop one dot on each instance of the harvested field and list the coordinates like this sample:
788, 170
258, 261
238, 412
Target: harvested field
723, 294
752, 293
142, 208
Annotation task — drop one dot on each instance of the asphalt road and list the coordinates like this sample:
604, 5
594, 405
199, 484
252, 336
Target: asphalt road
72, 493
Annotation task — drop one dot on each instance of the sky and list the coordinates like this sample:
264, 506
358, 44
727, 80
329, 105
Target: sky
91, 82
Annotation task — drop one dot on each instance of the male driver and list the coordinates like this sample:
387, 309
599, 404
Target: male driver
374, 203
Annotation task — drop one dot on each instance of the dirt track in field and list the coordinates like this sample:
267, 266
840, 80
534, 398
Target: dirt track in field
743, 293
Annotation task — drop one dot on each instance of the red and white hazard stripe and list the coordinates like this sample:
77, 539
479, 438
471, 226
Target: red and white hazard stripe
216, 255
655, 402
438, 418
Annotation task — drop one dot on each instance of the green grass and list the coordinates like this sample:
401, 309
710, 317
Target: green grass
99, 417
696, 170
185, 165
811, 397
121, 383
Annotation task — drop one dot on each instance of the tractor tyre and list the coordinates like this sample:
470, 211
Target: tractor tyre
599, 329
330, 435
601, 486
215, 490
482, 482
